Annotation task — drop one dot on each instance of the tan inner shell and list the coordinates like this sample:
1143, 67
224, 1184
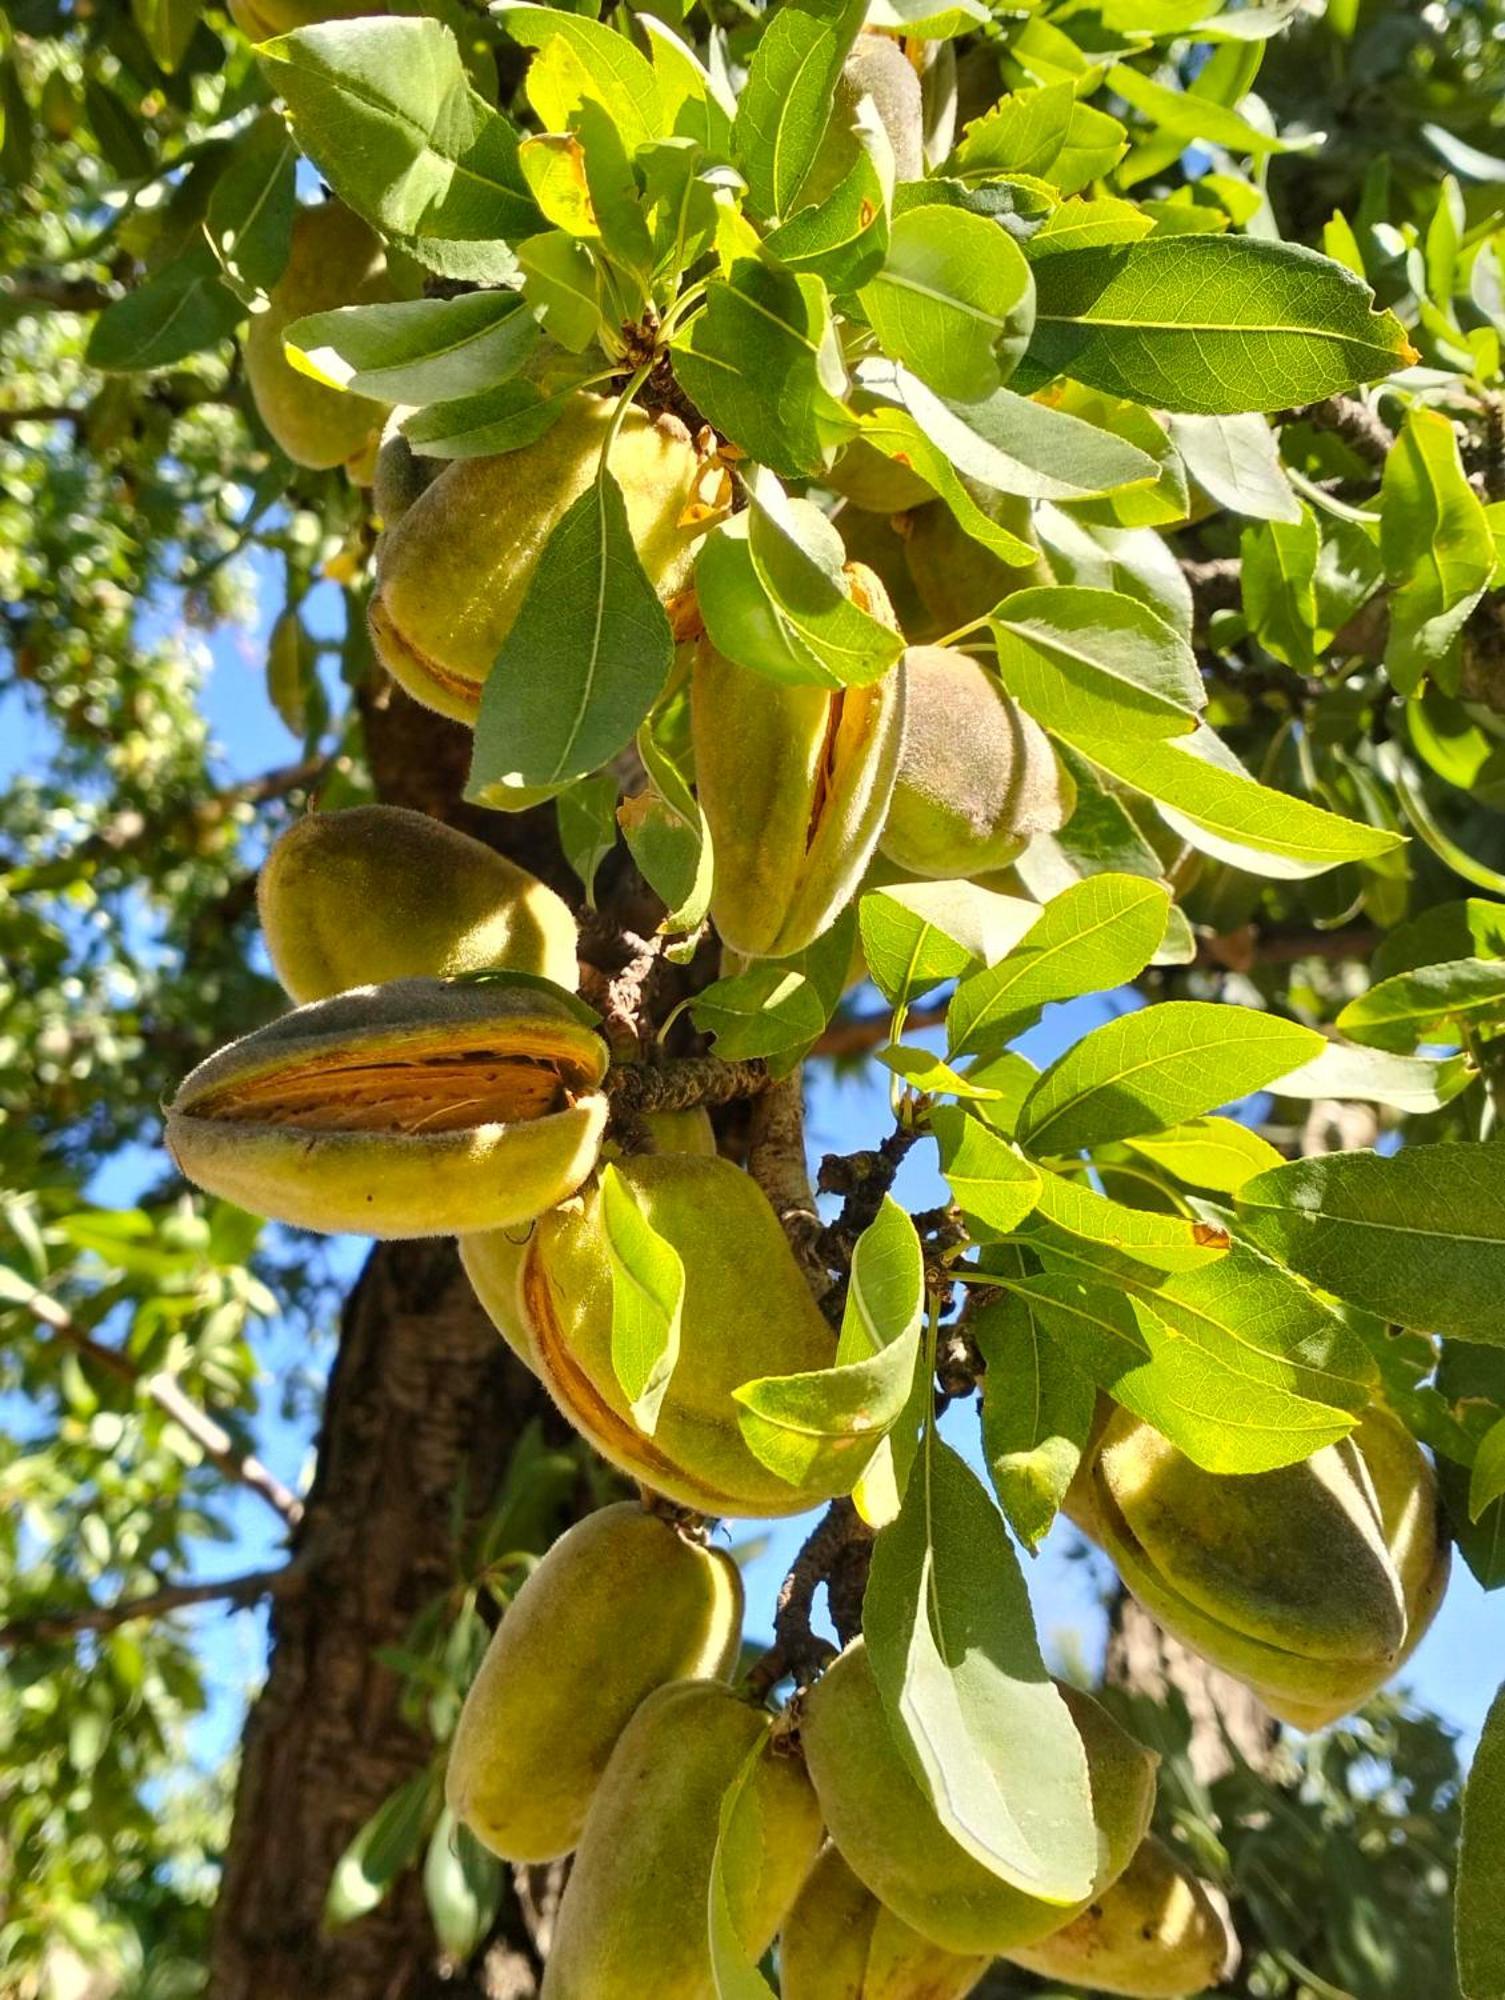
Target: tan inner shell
440, 1093
848, 714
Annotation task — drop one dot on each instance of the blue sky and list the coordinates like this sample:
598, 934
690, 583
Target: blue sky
1455, 1671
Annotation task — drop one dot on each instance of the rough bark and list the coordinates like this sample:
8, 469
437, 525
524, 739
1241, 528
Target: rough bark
1145, 1660
424, 1401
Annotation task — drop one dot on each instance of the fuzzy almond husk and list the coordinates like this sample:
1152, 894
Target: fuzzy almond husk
1303, 1582
840, 1943
893, 1841
336, 260
623, 1603
634, 1920
375, 893
1157, 1934
453, 570
418, 1108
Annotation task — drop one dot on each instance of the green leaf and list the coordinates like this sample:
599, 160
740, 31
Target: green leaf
417, 350
1236, 461
1192, 119
761, 363
1157, 1067
1278, 576
1432, 1004
1481, 1860
924, 1071
952, 288
1210, 325
770, 587
1013, 445
1406, 1083
1088, 939
1418, 1238
916, 934
1216, 1153
1037, 1411
583, 663
770, 1008
992, 1183
180, 310
1437, 548
1045, 133
1468, 928
647, 1299
587, 816
167, 28
737, 1861
384, 109
589, 61
1487, 1481
1094, 662
955, 1658
672, 848
385, 1845
1204, 794
844, 239
1166, 1242
833, 1419
463, 1886
786, 103
483, 426
1238, 1364
897, 435
249, 222
559, 282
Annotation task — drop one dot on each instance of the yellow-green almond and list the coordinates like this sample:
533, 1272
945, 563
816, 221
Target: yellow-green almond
957, 578
634, 1921
1291, 1580
336, 260
623, 1603
795, 783
1157, 1934
401, 474
453, 570
375, 893
420, 1108
747, 1312
978, 778
875, 68
891, 1837
840, 1943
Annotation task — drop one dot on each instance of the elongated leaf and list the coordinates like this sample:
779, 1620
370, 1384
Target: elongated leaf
736, 1861
1469, 928
952, 287
1418, 1238
1165, 1242
605, 68
897, 435
992, 1183
1216, 1153
843, 240
1189, 118
1210, 326
786, 103
1013, 445
1157, 1067
1437, 547
1431, 1004
416, 350
958, 1667
1037, 1410
1088, 939
770, 587
180, 310
250, 219
915, 934
1094, 662
1487, 1478
482, 426
1278, 576
583, 663
831, 1420
1481, 1861
1207, 797
382, 1848
384, 109
1210, 1397
1236, 461
647, 1298
761, 363
1407, 1083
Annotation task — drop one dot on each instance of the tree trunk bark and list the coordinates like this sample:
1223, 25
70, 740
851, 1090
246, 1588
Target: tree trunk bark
1144, 1660
424, 1402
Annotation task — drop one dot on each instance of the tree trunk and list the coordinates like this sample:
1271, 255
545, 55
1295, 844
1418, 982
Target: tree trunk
1145, 1660
424, 1402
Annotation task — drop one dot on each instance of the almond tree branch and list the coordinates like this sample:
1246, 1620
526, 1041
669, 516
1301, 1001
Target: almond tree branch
1346, 417
836, 1554
48, 1626
168, 1394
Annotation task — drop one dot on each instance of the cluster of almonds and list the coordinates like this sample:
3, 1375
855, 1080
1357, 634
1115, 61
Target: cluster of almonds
440, 1077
